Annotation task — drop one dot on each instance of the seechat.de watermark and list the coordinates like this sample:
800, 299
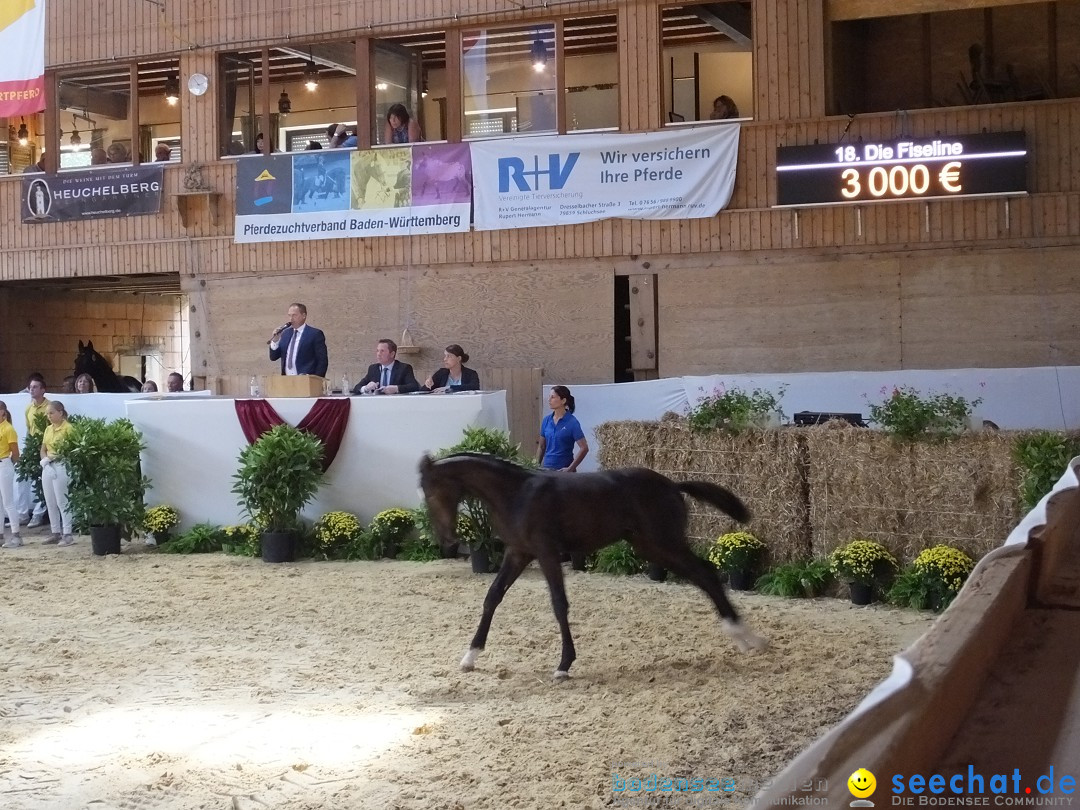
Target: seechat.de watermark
970, 788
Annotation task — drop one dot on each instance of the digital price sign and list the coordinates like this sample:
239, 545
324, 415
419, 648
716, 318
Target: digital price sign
904, 169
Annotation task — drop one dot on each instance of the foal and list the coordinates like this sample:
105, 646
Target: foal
540, 515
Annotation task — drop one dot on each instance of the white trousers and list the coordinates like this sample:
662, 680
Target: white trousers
24, 499
7, 493
54, 481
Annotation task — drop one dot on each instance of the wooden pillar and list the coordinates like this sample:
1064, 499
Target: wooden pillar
265, 101
560, 80
52, 122
133, 111
454, 102
365, 102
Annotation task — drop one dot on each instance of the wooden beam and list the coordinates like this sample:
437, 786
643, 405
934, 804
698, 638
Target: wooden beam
136, 158
265, 95
837, 10
560, 80
454, 112
52, 123
365, 79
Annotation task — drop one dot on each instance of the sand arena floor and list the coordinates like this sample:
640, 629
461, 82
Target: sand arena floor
157, 681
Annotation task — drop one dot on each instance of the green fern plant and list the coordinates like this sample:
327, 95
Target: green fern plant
1042, 455
797, 579
618, 558
203, 538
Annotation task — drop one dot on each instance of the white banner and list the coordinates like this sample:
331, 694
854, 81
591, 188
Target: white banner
685, 173
22, 70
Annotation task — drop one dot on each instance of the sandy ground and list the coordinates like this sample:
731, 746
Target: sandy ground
156, 681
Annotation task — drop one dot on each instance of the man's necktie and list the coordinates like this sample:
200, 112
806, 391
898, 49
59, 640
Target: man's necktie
290, 363
385, 377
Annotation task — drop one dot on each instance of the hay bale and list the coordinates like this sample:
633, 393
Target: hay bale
762, 467
910, 495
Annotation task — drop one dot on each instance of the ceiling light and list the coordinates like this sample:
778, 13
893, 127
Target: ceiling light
381, 86
424, 91
284, 103
24, 134
311, 77
539, 54
76, 139
172, 90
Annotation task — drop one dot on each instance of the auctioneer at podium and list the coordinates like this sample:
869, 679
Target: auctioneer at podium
300, 348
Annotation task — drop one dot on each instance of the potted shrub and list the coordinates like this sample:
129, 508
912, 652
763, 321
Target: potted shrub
933, 580
482, 540
277, 476
105, 493
159, 522
739, 554
865, 566
909, 415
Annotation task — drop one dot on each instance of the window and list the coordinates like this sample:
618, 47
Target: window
508, 80
411, 70
95, 117
707, 62
590, 45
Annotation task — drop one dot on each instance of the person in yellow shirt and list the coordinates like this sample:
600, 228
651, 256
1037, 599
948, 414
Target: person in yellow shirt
54, 474
9, 454
35, 386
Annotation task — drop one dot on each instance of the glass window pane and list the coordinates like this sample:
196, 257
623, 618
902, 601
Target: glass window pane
592, 73
159, 111
707, 62
23, 144
508, 80
312, 89
397, 82
95, 117
241, 75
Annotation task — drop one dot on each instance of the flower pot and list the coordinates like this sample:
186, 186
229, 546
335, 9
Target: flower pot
656, 572
577, 560
449, 552
390, 551
161, 538
278, 547
741, 580
480, 559
861, 594
105, 540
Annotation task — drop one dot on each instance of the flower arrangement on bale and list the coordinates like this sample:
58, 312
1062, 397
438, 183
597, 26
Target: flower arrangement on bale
737, 552
933, 580
797, 579
160, 521
333, 532
242, 540
735, 409
865, 566
907, 414
1042, 456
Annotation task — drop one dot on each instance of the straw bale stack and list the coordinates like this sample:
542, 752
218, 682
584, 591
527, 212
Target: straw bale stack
763, 467
963, 491
812, 489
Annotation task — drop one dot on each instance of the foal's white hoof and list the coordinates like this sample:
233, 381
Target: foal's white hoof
745, 638
560, 676
468, 663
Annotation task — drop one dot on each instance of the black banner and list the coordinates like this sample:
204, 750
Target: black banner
95, 194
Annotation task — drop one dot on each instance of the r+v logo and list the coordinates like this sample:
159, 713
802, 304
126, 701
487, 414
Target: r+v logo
512, 169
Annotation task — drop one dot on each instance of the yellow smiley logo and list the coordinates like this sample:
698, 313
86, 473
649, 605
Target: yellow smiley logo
862, 783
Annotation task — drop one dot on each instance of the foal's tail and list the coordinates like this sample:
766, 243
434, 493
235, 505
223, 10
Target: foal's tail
719, 497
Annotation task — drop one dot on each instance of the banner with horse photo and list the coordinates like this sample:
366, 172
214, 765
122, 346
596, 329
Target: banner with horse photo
22, 70
96, 194
399, 191
686, 173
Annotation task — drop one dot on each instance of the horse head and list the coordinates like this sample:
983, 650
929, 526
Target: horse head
442, 496
87, 359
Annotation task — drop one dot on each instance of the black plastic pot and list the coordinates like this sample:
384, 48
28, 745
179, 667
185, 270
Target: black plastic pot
655, 572
105, 540
577, 560
860, 594
278, 547
741, 580
480, 560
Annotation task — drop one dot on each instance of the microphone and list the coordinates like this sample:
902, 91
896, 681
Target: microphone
278, 331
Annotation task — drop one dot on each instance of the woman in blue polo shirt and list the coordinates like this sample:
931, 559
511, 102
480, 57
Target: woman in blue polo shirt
560, 433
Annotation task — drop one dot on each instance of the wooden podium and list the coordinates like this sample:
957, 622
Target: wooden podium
300, 385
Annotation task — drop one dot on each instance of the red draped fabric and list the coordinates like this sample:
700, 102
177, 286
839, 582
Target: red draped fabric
326, 421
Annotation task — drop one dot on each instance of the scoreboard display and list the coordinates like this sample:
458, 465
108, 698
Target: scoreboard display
905, 169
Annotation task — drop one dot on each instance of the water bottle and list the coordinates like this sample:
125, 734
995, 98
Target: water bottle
345, 387
254, 386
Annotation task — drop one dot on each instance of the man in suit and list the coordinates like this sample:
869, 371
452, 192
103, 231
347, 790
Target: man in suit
301, 348
386, 375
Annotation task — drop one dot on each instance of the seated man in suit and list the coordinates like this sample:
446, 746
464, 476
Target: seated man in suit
386, 375
301, 348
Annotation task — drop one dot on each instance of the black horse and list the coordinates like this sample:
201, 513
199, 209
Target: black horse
88, 361
542, 515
